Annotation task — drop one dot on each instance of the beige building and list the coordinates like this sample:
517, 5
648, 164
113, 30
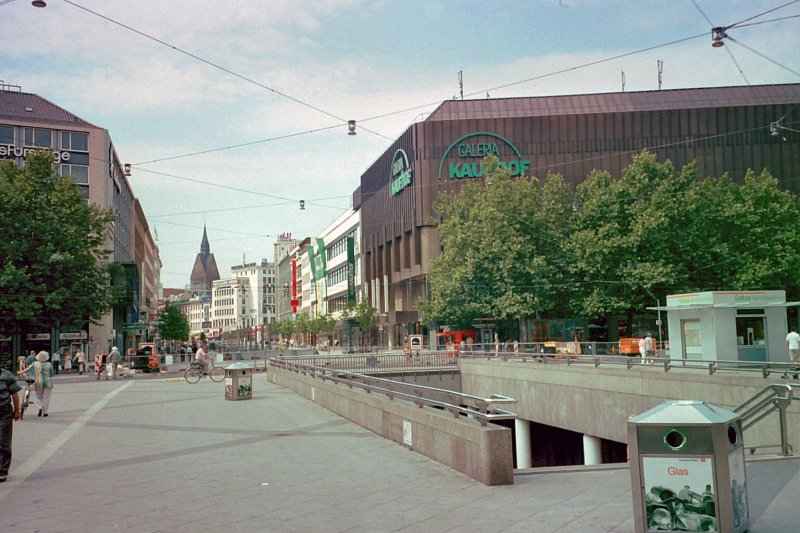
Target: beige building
86, 152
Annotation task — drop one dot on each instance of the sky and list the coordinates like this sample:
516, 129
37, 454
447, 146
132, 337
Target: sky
231, 112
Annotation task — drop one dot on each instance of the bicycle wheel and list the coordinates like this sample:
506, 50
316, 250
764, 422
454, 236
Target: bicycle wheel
192, 375
217, 374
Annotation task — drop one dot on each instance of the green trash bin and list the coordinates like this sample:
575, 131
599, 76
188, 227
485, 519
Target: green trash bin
687, 469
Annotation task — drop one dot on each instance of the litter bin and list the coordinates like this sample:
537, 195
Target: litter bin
238, 382
687, 469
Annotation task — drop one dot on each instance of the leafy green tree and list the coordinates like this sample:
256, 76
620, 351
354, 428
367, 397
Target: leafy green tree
518, 247
502, 248
54, 269
174, 326
655, 231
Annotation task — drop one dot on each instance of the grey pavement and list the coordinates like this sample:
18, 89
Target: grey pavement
159, 454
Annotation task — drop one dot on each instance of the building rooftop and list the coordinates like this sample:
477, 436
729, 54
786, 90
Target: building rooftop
18, 106
578, 104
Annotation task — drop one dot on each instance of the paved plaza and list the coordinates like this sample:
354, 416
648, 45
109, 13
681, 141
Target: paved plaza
158, 454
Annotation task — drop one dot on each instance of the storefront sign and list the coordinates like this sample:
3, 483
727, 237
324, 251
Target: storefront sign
9, 150
38, 336
401, 172
462, 159
351, 269
317, 259
73, 335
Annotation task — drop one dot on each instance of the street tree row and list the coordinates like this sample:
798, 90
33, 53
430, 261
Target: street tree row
613, 245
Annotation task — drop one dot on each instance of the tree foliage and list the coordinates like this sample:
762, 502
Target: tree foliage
502, 255
53, 259
518, 247
174, 325
364, 314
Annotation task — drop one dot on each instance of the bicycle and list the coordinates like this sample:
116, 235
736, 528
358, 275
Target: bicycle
26, 397
195, 372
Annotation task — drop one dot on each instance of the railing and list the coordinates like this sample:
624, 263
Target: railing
484, 410
712, 367
371, 363
770, 399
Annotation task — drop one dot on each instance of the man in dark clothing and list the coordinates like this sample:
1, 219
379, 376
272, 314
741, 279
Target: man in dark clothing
9, 413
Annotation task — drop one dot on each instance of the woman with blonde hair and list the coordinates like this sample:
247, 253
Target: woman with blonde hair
41, 372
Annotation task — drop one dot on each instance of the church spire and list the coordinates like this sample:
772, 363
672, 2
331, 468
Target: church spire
205, 248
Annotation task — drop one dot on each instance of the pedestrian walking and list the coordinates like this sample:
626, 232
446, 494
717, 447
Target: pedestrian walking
650, 348
56, 359
67, 364
42, 375
9, 413
641, 350
31, 359
113, 361
80, 359
100, 362
793, 345
21, 363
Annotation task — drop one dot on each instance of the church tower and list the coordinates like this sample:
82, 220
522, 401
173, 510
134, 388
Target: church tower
205, 271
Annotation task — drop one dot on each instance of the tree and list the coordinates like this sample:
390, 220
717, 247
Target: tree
518, 247
655, 231
174, 325
502, 248
54, 269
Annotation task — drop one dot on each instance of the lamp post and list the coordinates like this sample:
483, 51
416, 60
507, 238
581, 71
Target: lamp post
658, 309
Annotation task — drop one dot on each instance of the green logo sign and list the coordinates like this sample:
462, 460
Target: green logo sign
401, 172
462, 158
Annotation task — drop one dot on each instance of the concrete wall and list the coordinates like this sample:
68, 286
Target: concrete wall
598, 401
483, 453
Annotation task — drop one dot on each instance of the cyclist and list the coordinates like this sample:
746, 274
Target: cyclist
201, 357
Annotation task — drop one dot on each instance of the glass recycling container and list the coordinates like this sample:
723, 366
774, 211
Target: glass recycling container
687, 469
238, 382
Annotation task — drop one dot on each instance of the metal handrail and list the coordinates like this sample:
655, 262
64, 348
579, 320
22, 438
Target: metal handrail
427, 360
484, 410
775, 397
712, 367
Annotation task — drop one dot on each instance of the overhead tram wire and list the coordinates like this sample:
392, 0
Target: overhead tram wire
740, 23
220, 67
730, 54
438, 102
763, 56
241, 145
236, 189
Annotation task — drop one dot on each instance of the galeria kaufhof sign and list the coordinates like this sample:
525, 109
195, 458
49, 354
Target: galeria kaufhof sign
464, 158
401, 172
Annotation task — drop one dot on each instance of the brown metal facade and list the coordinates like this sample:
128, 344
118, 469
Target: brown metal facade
725, 130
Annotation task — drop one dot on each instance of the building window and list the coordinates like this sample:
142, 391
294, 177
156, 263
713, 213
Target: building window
80, 173
6, 134
38, 137
74, 141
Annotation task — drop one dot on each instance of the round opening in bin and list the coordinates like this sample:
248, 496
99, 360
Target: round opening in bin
733, 435
674, 439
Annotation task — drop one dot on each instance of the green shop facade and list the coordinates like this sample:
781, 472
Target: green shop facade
723, 129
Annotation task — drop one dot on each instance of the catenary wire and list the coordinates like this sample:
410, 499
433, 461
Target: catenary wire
482, 91
218, 66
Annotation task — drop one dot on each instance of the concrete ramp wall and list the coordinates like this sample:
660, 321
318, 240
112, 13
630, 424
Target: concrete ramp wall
598, 401
483, 453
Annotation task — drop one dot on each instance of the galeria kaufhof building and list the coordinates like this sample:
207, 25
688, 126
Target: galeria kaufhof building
723, 129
